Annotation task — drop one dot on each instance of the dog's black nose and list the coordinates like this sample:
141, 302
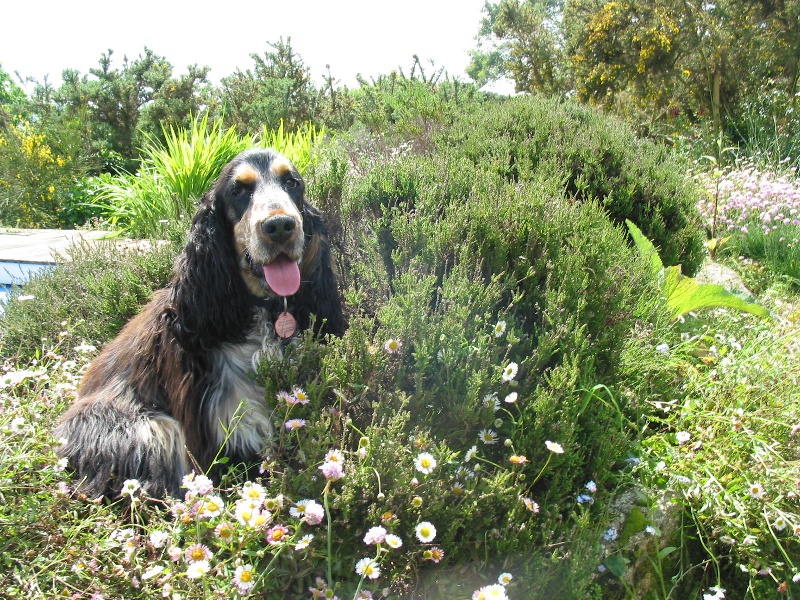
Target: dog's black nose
279, 229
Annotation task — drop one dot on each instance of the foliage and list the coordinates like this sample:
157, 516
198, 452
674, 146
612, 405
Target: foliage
174, 176
684, 294
476, 317
11, 98
120, 105
412, 106
278, 89
653, 57
486, 61
532, 44
298, 145
171, 179
486, 305
726, 454
593, 158
760, 210
35, 179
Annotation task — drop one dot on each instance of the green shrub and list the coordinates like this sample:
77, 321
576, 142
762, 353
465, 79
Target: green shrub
414, 106
595, 156
456, 256
36, 177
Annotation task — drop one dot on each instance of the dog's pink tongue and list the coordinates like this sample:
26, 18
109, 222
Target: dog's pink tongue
283, 276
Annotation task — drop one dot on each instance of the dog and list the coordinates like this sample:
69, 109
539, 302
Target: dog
162, 398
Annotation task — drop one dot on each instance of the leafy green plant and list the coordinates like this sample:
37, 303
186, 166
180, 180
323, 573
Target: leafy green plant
170, 180
298, 145
685, 294
36, 176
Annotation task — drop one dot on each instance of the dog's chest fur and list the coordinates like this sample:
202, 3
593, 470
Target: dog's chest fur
234, 401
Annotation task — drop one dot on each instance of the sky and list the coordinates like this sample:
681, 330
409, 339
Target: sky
352, 36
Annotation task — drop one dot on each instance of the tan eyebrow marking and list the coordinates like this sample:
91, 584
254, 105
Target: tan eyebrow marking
279, 168
246, 175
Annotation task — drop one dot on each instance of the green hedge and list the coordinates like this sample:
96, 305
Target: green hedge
447, 250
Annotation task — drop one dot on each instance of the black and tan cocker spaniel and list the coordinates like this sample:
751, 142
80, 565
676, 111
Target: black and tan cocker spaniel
162, 396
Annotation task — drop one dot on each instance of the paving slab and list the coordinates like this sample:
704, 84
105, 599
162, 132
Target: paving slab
41, 245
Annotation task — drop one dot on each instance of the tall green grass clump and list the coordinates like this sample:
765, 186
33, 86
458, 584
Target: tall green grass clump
174, 176
298, 145
597, 158
171, 178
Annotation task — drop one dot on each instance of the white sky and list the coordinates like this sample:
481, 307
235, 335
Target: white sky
353, 36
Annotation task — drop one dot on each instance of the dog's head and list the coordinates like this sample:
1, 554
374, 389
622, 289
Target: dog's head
263, 197
254, 236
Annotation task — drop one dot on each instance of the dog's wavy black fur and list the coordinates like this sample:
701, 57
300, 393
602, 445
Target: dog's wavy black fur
159, 398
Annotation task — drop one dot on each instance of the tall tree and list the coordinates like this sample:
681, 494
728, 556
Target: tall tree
12, 98
121, 104
652, 55
277, 88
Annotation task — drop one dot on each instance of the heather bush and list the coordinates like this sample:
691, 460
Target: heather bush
595, 157
411, 107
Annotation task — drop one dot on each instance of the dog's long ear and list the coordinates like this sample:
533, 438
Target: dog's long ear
208, 295
319, 292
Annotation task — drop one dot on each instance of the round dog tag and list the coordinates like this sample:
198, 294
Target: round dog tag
285, 325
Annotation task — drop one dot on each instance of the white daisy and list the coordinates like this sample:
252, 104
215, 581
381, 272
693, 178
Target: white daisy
510, 372
425, 531
425, 463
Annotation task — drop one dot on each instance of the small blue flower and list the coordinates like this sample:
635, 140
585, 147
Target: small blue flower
611, 534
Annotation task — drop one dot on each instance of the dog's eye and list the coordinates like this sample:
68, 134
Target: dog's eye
292, 183
240, 189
